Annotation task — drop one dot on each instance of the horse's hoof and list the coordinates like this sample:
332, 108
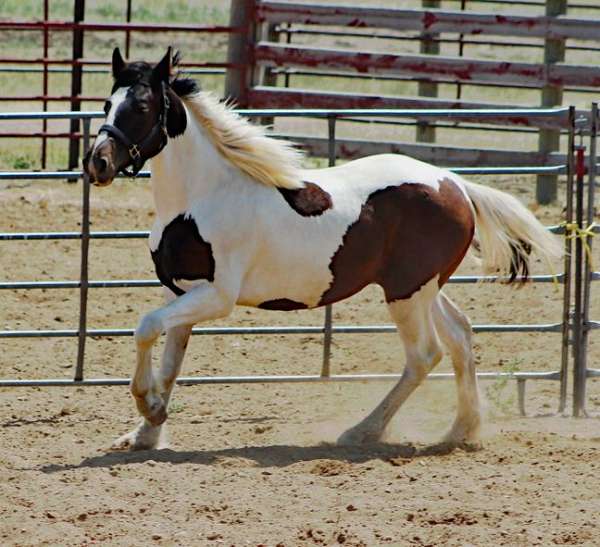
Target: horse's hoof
465, 435
143, 437
132, 441
354, 437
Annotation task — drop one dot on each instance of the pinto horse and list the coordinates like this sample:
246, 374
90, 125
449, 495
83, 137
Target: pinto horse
240, 222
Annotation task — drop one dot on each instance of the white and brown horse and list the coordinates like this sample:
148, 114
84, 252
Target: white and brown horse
240, 222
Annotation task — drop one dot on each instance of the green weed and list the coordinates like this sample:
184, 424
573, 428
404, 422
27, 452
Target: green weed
22, 162
176, 408
497, 393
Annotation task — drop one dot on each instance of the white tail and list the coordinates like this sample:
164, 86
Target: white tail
507, 232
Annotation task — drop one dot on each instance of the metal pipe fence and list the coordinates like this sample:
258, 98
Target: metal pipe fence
560, 118
78, 28
581, 371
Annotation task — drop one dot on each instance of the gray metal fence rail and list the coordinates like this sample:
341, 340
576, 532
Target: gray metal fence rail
562, 119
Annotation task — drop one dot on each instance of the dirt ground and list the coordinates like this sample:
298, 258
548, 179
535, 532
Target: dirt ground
256, 464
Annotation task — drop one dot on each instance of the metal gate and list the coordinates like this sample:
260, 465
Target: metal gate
573, 325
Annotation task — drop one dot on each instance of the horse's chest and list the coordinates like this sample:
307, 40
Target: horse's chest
182, 254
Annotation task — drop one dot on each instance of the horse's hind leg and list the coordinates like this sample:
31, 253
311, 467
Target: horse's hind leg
454, 329
414, 319
146, 435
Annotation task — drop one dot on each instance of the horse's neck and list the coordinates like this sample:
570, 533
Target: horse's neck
189, 169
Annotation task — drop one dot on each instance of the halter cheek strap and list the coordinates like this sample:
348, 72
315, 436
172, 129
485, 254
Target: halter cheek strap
147, 148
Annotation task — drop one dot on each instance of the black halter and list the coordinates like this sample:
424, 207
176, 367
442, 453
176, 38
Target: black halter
143, 150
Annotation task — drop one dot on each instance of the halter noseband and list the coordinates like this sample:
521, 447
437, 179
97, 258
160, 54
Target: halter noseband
139, 152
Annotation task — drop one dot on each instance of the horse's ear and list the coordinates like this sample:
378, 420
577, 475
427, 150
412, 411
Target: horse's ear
118, 64
162, 71
176, 59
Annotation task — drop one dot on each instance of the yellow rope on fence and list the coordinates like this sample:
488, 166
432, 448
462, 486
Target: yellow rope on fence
574, 232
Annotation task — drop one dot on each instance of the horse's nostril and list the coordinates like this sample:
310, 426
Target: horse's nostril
101, 164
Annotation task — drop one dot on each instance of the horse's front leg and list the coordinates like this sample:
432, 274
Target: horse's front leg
151, 391
146, 435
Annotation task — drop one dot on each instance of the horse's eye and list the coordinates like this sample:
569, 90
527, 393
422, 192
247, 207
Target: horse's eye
107, 106
142, 106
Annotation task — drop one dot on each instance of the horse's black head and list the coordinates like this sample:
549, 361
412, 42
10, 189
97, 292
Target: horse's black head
141, 114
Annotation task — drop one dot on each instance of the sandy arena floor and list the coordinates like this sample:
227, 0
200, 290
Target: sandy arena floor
255, 465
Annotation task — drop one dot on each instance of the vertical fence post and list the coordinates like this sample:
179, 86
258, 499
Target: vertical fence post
461, 50
76, 73
566, 319
326, 367
549, 139
45, 83
588, 270
85, 245
425, 130
238, 77
128, 32
288, 40
579, 372
268, 76
521, 395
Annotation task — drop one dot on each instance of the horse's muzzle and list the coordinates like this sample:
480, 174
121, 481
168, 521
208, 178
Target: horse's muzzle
99, 166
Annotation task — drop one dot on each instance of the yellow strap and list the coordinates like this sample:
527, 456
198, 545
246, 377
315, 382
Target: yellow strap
575, 232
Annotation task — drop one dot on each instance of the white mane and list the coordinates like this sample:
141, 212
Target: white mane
267, 160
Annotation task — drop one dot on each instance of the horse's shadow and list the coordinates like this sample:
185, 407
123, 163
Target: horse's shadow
264, 456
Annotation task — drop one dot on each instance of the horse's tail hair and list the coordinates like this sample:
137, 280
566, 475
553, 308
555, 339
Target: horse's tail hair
506, 233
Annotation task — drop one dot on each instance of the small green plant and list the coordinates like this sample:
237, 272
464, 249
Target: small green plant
176, 408
21, 162
496, 391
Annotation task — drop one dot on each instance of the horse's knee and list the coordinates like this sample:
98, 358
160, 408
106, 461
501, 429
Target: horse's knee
148, 330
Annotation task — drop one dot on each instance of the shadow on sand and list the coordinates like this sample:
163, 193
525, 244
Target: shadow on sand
265, 456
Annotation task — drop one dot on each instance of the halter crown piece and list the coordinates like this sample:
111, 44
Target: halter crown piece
140, 152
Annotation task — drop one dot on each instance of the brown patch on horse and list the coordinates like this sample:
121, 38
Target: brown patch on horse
183, 254
309, 201
282, 304
405, 235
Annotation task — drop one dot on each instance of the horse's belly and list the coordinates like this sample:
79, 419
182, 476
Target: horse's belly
295, 283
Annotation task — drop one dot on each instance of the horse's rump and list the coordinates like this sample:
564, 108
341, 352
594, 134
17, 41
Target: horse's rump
405, 236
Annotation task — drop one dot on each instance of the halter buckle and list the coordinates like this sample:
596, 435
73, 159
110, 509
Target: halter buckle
134, 152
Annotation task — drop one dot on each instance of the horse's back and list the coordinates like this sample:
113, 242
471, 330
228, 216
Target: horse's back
373, 173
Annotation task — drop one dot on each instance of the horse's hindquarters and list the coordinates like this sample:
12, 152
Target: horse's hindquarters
423, 233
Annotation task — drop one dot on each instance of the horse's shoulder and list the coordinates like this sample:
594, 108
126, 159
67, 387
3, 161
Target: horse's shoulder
183, 254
